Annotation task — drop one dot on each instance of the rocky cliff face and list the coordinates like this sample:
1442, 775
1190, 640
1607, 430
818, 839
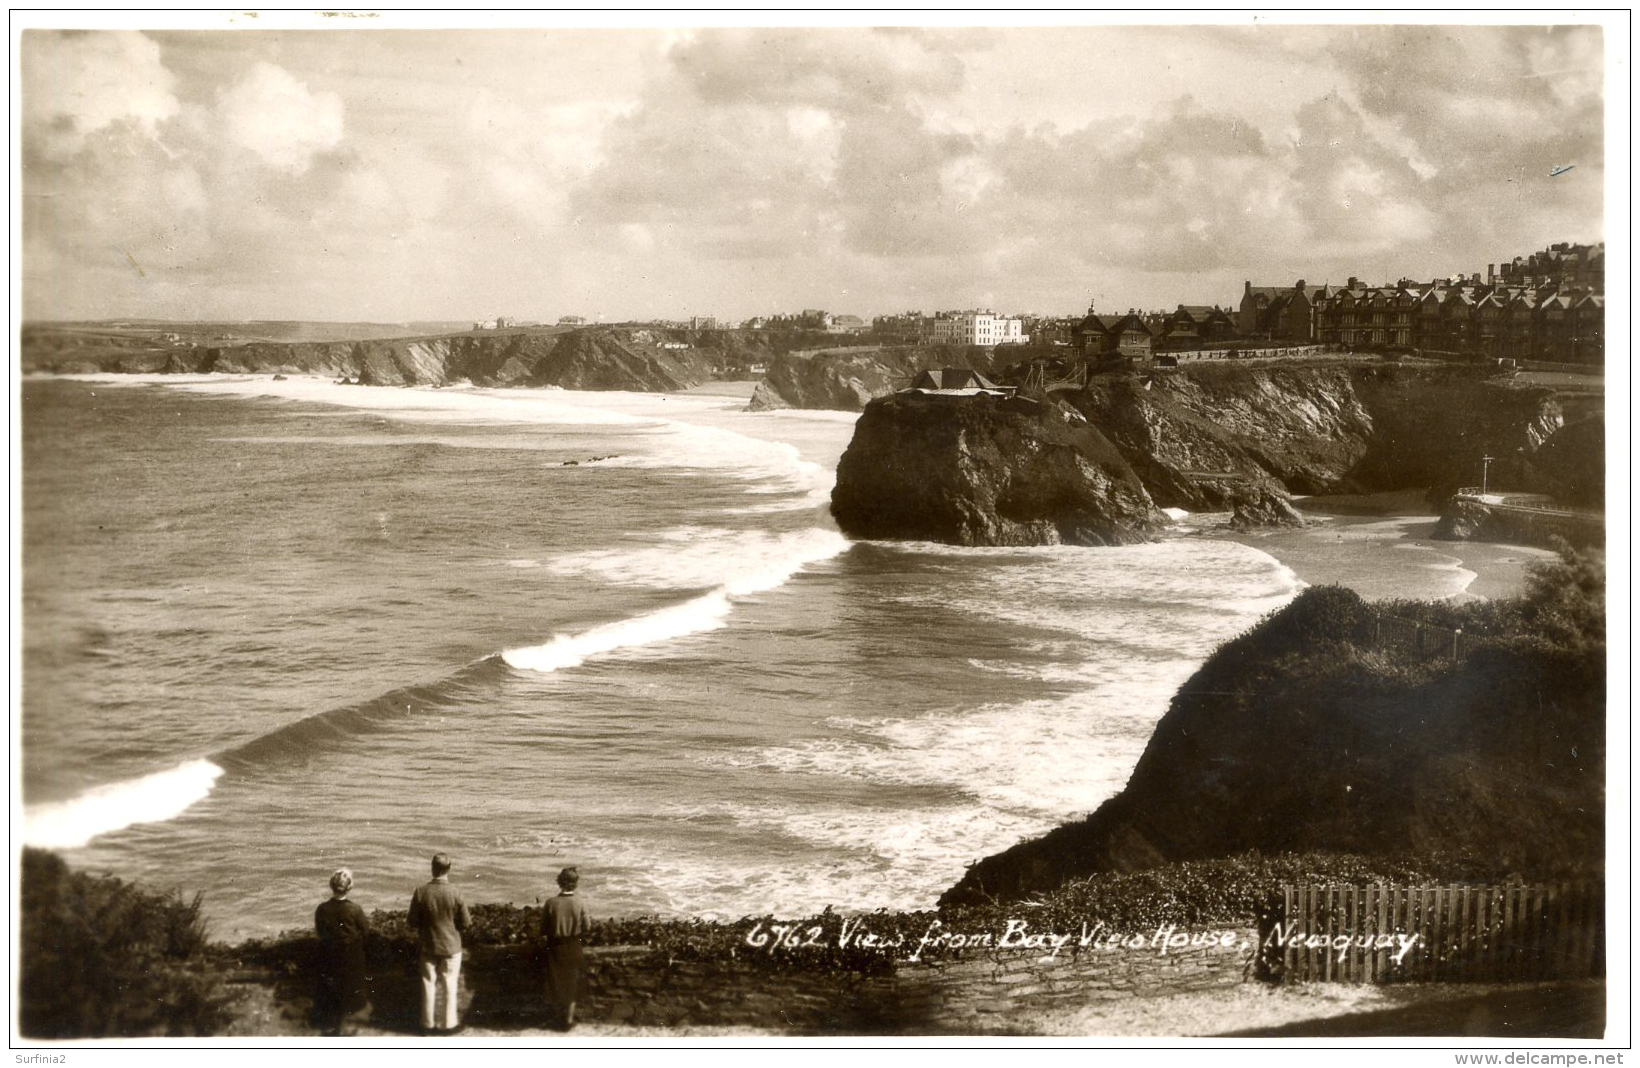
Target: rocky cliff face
1313, 429
1303, 736
595, 358
626, 358
986, 471
1212, 438
849, 381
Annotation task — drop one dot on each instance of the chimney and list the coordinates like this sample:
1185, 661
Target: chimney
1299, 286
1354, 281
1491, 272
1248, 288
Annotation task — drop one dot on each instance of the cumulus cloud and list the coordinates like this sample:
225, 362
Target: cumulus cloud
841, 70
751, 170
76, 84
277, 117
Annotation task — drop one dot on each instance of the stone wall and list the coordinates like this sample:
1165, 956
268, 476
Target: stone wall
977, 992
1470, 520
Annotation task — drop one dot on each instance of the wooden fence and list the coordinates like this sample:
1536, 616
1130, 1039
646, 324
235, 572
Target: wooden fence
1421, 641
1392, 934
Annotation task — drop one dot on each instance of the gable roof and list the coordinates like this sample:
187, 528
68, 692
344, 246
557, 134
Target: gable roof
952, 378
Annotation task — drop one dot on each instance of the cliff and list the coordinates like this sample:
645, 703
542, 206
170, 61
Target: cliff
595, 358
986, 471
845, 381
1306, 734
1314, 428
600, 357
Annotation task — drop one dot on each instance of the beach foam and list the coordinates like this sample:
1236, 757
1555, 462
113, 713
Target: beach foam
732, 563
115, 806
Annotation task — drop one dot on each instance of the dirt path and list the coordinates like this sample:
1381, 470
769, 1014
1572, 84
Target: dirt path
1253, 1010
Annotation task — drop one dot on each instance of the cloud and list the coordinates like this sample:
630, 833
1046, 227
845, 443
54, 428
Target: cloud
739, 171
277, 117
839, 70
76, 84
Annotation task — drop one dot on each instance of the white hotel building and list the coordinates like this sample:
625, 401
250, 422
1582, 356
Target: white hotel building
975, 328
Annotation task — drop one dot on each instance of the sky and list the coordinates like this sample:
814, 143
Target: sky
416, 175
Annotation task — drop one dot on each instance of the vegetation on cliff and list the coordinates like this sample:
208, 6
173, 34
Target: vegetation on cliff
1308, 734
101, 957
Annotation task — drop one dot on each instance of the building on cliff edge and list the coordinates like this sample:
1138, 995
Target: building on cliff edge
1190, 325
1550, 322
957, 382
1101, 338
1272, 313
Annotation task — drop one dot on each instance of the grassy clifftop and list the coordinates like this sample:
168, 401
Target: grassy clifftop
1306, 733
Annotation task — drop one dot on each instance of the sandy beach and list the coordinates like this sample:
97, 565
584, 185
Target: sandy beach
1381, 546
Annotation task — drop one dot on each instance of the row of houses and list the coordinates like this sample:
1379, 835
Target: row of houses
809, 319
1547, 306
1495, 321
1188, 326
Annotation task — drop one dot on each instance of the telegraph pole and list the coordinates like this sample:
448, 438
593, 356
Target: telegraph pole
1486, 462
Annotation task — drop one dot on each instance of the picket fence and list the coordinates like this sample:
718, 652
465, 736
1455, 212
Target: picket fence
1462, 933
1421, 641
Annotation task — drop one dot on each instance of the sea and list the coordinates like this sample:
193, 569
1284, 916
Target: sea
276, 627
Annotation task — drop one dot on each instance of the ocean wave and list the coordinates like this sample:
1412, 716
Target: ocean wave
695, 557
737, 576
661, 440
114, 806
1169, 599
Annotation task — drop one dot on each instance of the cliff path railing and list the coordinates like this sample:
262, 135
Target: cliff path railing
1421, 641
1271, 352
1524, 503
1381, 933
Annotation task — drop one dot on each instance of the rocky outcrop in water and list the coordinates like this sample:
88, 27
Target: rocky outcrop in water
986, 471
1262, 505
1221, 438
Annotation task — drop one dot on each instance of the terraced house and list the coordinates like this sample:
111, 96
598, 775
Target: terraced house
1196, 324
1274, 313
1553, 315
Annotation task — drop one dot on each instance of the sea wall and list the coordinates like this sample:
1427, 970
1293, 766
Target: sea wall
974, 993
1469, 520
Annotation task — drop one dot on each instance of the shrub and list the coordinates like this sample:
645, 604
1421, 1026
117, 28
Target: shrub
101, 958
1565, 598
